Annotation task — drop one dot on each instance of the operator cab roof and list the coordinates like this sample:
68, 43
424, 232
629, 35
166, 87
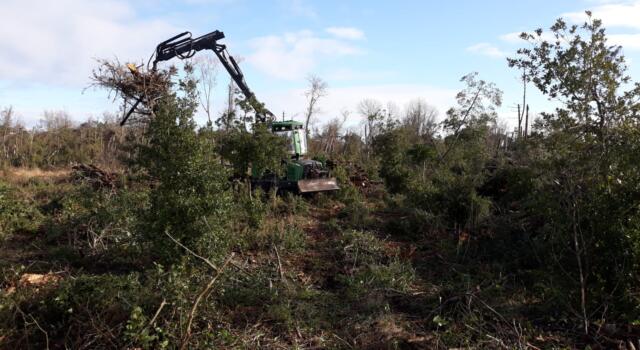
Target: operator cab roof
286, 125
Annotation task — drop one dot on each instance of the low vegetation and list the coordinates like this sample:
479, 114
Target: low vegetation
456, 234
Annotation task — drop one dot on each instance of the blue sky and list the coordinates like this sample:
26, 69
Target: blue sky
386, 50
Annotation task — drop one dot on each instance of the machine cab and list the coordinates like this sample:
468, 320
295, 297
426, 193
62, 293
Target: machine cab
293, 132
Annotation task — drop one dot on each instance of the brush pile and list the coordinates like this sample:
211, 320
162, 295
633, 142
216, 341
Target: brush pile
359, 177
95, 176
139, 88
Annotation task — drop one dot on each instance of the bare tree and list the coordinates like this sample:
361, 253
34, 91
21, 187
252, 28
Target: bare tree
372, 111
420, 117
329, 136
56, 120
317, 89
393, 110
7, 115
6, 124
207, 68
228, 117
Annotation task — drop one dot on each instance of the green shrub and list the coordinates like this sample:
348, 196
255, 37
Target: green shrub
96, 221
396, 276
260, 150
69, 311
254, 290
371, 272
292, 204
348, 193
191, 198
362, 248
16, 214
140, 333
253, 207
355, 215
290, 238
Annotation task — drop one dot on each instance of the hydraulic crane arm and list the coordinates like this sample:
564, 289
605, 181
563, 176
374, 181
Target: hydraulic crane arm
184, 46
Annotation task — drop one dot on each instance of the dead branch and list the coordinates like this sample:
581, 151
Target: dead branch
35, 322
279, 262
97, 177
204, 292
155, 316
133, 83
205, 260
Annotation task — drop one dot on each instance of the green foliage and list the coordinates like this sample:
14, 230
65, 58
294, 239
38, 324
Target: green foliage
64, 312
190, 199
362, 248
491, 240
393, 147
585, 72
371, 270
290, 238
355, 215
137, 331
348, 193
16, 214
583, 186
253, 207
249, 290
477, 104
394, 276
415, 222
260, 150
292, 204
96, 221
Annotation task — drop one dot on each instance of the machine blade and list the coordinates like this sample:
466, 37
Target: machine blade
318, 185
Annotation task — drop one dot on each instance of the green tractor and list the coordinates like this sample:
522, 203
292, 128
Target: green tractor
301, 175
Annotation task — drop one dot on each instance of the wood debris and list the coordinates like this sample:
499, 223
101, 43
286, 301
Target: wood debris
97, 177
138, 87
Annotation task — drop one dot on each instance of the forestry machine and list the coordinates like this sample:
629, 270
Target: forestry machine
302, 175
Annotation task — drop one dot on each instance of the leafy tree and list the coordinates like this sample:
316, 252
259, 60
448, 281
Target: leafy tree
259, 149
190, 198
392, 147
586, 74
476, 109
584, 181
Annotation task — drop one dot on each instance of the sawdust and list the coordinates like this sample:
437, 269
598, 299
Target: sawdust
34, 280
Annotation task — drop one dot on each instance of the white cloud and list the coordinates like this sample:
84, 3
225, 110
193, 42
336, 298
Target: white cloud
349, 33
619, 14
613, 13
512, 38
294, 55
627, 41
486, 49
55, 42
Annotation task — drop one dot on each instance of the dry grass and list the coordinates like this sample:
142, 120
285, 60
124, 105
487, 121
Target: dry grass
22, 175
